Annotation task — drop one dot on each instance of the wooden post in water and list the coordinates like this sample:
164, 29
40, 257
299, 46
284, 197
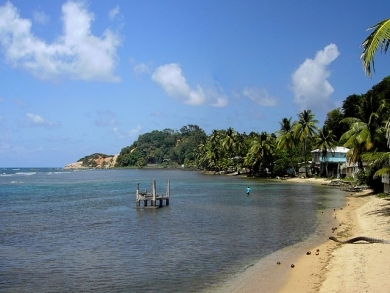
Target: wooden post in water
167, 192
137, 196
154, 192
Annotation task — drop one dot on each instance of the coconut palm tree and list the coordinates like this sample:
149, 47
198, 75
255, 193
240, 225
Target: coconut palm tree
233, 143
325, 141
211, 151
228, 141
305, 128
378, 39
364, 134
285, 139
260, 152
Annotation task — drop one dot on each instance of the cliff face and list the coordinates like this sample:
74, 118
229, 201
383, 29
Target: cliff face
98, 161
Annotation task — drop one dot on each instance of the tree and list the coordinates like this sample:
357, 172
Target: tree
332, 122
286, 140
261, 152
229, 140
379, 38
358, 138
325, 141
305, 128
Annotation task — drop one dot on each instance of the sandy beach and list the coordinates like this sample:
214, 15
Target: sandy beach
330, 266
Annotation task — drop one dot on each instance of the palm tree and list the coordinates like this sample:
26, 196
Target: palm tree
380, 160
229, 140
305, 128
325, 141
260, 152
285, 125
209, 153
233, 143
286, 139
363, 135
358, 138
379, 38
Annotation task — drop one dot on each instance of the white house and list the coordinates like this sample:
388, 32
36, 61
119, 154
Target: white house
335, 161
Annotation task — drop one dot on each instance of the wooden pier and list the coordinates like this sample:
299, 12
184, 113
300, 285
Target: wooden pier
152, 199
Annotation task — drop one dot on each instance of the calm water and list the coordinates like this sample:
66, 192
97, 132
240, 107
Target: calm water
79, 231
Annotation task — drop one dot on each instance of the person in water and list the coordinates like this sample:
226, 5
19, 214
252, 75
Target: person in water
248, 190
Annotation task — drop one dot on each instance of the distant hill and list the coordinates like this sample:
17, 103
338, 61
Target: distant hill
96, 160
167, 148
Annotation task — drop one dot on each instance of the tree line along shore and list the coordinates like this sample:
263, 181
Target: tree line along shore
360, 125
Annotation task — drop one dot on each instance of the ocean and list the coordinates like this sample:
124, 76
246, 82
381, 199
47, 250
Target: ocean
79, 231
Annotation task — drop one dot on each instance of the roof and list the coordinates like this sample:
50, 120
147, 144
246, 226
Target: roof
338, 149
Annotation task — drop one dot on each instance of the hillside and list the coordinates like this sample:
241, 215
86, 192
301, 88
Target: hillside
97, 160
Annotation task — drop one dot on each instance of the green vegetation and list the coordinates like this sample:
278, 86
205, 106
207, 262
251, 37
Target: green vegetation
360, 125
164, 148
379, 38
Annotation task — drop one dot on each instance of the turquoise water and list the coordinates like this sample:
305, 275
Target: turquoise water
66, 231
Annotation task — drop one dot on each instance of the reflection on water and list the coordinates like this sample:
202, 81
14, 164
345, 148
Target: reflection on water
79, 231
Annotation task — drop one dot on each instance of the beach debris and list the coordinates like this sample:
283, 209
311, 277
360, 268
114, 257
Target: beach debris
360, 238
278, 263
308, 253
317, 251
292, 266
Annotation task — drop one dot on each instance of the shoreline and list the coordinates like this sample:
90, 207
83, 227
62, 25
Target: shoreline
330, 266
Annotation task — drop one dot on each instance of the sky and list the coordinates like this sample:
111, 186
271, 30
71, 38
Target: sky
84, 77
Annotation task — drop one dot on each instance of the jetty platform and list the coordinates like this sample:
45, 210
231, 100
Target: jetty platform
152, 200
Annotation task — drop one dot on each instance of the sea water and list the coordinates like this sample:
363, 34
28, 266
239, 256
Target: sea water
79, 231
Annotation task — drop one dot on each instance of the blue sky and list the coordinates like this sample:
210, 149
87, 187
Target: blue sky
79, 77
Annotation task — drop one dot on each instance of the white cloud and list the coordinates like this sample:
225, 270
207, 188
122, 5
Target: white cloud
220, 102
132, 133
34, 120
140, 68
40, 17
171, 79
215, 98
310, 86
260, 96
76, 54
113, 12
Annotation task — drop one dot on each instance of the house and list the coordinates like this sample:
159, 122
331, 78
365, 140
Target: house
335, 162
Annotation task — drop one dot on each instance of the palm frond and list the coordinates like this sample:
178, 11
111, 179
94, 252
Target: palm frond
383, 171
379, 38
350, 120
